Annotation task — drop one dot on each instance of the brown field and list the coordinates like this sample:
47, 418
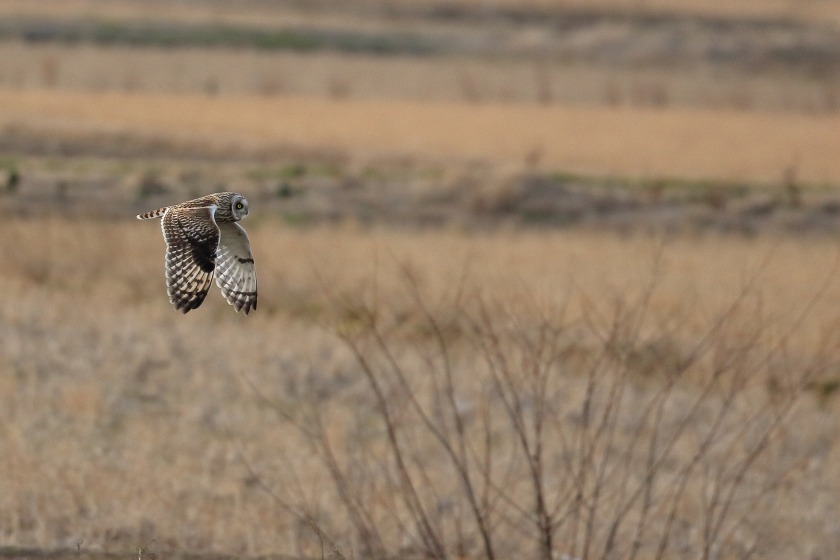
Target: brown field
127, 426
752, 147
760, 56
455, 78
498, 317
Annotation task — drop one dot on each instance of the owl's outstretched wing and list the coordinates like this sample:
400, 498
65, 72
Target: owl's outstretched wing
235, 274
191, 236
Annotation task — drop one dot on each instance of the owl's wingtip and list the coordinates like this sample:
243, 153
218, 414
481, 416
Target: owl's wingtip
244, 306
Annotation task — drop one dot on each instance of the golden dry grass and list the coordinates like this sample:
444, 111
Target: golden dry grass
81, 67
128, 425
611, 141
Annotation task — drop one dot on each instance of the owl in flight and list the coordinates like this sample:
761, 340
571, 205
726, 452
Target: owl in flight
203, 240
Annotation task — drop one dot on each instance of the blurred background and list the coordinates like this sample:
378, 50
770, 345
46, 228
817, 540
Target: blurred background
577, 255
529, 112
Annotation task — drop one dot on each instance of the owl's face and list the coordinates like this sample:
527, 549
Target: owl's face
238, 207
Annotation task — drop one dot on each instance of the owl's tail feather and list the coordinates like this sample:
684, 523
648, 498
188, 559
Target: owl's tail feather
152, 214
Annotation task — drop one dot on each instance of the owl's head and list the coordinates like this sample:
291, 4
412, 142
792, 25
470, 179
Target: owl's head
238, 206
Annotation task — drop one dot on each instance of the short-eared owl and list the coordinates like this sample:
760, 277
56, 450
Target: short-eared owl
203, 239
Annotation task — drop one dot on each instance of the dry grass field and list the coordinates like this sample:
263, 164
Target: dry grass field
531, 284
768, 56
685, 389
730, 145
363, 76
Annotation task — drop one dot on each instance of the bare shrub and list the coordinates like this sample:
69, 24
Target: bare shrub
480, 432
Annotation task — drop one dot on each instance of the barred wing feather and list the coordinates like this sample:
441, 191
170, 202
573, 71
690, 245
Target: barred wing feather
235, 273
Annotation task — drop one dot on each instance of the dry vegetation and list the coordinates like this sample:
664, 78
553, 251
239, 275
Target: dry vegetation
494, 384
454, 78
626, 142
780, 56
415, 393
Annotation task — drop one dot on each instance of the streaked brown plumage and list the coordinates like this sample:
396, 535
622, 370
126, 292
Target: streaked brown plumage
203, 240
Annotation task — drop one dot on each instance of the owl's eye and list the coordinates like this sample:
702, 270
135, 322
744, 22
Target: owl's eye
239, 206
